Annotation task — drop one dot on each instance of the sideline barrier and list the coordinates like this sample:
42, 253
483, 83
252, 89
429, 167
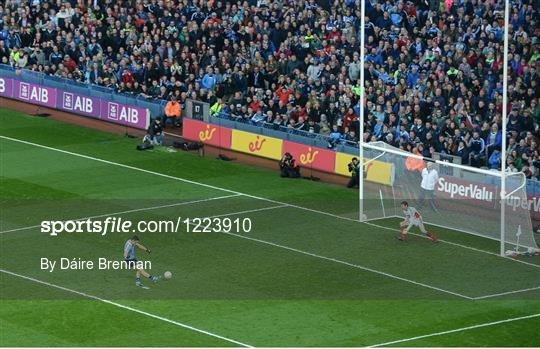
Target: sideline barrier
274, 148
259, 145
207, 133
135, 111
484, 194
376, 171
307, 156
335, 161
72, 102
155, 106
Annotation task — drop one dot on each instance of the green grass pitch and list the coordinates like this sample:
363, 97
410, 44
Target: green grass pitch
306, 275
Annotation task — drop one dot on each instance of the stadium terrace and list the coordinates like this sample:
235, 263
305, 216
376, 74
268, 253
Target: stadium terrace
433, 70
269, 173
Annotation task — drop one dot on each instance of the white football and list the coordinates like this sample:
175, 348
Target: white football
167, 275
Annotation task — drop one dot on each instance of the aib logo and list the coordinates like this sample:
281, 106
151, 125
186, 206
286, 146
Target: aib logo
207, 134
24, 91
68, 100
113, 111
256, 145
309, 157
33, 93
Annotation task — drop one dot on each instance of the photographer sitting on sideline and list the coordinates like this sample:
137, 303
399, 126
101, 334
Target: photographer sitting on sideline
154, 134
354, 169
288, 167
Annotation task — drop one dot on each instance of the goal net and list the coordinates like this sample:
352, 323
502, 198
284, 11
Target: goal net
465, 199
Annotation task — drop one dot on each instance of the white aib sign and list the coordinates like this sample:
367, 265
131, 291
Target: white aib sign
33, 93
123, 113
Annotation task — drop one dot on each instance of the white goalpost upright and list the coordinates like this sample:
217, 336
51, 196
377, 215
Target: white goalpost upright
504, 120
472, 200
361, 133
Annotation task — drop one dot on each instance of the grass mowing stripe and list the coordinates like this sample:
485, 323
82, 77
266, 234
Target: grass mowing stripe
173, 177
127, 308
507, 293
453, 243
493, 323
131, 211
349, 264
243, 194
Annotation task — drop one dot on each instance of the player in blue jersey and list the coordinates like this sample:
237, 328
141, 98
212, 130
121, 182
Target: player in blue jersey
129, 257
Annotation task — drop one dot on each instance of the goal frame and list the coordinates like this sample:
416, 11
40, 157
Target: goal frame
495, 174
502, 175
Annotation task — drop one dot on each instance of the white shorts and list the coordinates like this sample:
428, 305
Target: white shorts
414, 223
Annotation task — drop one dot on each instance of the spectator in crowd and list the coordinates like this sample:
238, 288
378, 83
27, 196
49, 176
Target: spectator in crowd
477, 147
493, 139
495, 159
436, 69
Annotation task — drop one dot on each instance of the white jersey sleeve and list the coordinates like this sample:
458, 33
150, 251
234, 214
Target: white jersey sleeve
412, 215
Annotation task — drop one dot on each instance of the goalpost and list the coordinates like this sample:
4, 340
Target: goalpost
467, 199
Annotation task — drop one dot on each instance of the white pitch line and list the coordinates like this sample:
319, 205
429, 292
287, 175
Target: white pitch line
458, 245
353, 265
240, 193
456, 330
349, 264
129, 211
182, 180
175, 178
248, 211
507, 293
86, 295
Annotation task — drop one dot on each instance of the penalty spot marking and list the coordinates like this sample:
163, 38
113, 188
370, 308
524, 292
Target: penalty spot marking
493, 323
135, 310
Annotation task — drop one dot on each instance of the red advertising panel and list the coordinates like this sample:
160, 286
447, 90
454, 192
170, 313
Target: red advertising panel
306, 156
482, 194
199, 131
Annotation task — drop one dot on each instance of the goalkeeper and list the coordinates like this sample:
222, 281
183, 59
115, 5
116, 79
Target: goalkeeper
412, 218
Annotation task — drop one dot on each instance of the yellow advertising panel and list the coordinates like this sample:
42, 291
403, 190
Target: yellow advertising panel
342, 160
256, 144
376, 171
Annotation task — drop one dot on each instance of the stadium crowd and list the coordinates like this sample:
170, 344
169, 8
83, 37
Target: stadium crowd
433, 68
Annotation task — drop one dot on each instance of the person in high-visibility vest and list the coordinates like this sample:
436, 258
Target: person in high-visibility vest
413, 163
414, 166
172, 112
